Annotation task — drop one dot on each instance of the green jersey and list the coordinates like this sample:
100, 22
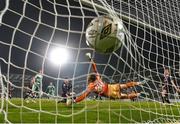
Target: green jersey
38, 79
51, 90
37, 82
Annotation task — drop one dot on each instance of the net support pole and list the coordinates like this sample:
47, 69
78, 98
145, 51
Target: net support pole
128, 18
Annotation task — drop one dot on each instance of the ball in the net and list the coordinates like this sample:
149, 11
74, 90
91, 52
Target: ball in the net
105, 34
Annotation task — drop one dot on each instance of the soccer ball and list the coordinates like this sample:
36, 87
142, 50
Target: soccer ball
68, 101
105, 34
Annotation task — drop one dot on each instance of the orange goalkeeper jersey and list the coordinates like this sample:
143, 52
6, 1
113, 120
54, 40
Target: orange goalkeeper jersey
93, 87
98, 86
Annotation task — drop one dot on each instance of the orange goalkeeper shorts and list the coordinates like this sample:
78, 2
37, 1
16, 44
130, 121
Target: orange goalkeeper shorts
113, 91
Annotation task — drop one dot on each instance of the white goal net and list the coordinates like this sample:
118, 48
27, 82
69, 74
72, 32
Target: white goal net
31, 29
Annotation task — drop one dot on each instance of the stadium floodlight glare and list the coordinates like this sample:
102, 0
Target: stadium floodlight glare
59, 56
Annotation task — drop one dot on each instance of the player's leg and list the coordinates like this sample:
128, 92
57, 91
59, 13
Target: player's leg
28, 92
164, 96
129, 84
129, 96
48, 95
38, 91
51, 94
27, 95
35, 91
166, 99
114, 91
10, 95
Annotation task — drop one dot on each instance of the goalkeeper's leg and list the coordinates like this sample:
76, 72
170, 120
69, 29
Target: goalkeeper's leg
129, 96
129, 84
114, 91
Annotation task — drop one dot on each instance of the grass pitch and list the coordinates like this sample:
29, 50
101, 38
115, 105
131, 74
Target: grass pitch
105, 111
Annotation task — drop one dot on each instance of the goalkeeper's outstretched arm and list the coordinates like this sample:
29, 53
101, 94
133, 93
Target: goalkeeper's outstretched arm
85, 94
93, 63
94, 66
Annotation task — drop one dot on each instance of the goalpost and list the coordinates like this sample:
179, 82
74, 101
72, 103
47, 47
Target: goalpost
30, 30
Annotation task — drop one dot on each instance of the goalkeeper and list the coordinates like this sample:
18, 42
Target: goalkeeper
37, 84
50, 90
95, 84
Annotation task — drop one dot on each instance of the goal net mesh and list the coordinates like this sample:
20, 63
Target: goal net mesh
30, 29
